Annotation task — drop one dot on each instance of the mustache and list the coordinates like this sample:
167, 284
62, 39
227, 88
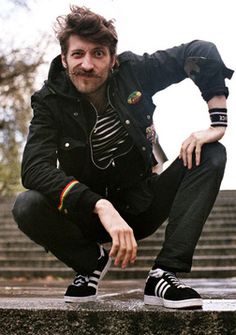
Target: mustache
78, 72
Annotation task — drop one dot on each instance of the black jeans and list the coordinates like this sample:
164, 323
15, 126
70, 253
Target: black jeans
184, 197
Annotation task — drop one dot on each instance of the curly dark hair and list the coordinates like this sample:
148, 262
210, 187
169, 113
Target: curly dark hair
84, 23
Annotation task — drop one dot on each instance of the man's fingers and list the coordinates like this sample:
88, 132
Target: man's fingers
193, 145
190, 150
134, 250
189, 147
183, 152
115, 246
124, 247
121, 251
129, 250
198, 154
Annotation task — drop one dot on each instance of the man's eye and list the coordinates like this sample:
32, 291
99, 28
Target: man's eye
77, 54
99, 53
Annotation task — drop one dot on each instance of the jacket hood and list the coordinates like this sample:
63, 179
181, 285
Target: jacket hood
59, 81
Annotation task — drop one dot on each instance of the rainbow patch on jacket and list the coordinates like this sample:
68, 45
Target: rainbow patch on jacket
134, 97
65, 191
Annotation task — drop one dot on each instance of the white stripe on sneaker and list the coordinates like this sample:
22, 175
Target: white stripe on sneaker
161, 288
93, 279
164, 291
93, 285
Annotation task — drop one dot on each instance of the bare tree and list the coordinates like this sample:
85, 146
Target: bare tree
18, 69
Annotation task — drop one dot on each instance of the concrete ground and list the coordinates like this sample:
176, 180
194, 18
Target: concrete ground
37, 307
218, 294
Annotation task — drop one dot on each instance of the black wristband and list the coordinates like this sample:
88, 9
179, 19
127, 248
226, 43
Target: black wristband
218, 117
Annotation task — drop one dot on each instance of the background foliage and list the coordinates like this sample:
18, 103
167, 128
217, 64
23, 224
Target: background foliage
18, 69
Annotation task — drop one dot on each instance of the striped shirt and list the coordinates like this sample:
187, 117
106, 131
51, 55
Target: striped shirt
109, 139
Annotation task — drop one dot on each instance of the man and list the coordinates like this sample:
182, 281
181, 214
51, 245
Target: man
88, 162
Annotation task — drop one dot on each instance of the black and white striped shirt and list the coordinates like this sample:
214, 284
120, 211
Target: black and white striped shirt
109, 139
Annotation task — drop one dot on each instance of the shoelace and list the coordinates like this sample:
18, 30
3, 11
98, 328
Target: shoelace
157, 273
175, 281
80, 280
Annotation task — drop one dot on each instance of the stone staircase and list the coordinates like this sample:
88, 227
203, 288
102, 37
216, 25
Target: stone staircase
215, 255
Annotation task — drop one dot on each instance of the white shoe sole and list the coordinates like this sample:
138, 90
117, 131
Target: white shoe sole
80, 299
156, 301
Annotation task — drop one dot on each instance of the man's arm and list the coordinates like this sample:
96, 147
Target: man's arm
124, 246
198, 60
196, 140
39, 165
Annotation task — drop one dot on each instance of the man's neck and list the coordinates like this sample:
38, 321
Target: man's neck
99, 99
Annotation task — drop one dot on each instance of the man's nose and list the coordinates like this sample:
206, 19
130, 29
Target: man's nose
87, 63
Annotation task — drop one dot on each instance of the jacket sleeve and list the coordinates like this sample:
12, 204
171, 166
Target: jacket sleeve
39, 165
198, 60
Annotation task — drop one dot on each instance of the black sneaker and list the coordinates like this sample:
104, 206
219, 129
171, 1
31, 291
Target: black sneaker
84, 288
164, 289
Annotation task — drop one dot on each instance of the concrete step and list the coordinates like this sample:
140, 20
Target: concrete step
37, 262
216, 248
196, 272
208, 231
21, 243
209, 240
219, 224
35, 251
200, 250
114, 273
230, 216
11, 235
224, 210
141, 261
37, 307
230, 240
32, 272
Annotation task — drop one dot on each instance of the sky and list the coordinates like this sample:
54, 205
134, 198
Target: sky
147, 26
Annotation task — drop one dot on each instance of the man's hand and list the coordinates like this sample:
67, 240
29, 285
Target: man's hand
194, 143
124, 246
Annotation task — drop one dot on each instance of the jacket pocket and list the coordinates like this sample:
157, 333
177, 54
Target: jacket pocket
68, 144
71, 155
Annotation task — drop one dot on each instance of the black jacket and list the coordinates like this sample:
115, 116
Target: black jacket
56, 159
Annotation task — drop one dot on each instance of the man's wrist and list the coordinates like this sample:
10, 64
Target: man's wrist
101, 204
219, 131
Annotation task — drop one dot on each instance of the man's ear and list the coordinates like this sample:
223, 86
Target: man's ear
113, 61
63, 60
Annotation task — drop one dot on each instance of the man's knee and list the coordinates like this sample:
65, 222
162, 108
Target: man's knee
215, 154
27, 208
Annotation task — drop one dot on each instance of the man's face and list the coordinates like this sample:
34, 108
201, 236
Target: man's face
88, 64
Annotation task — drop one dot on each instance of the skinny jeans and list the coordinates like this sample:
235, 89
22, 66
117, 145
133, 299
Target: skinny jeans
183, 197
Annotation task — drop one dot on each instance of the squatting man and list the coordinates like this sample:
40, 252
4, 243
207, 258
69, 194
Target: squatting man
89, 163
